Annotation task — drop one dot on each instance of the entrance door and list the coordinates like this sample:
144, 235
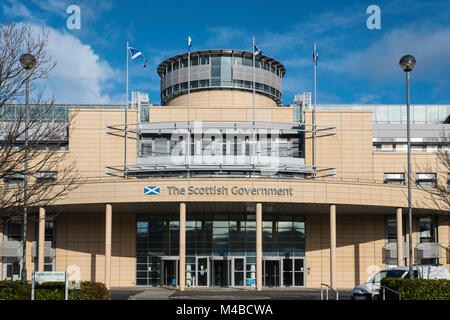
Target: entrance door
202, 271
287, 272
299, 272
293, 272
220, 273
12, 268
238, 274
271, 273
170, 272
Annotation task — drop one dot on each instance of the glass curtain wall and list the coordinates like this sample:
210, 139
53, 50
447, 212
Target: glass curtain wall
227, 235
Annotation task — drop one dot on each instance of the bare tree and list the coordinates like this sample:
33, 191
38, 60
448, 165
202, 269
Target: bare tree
50, 173
439, 194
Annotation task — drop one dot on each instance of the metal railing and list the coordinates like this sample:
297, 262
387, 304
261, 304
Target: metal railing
327, 288
383, 292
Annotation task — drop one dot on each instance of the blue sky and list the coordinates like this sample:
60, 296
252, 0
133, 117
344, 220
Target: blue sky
356, 65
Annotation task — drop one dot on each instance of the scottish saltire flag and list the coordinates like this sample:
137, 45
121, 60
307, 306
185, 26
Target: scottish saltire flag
315, 57
256, 50
189, 42
135, 53
153, 190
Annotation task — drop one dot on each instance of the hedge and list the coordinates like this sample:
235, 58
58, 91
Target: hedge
16, 290
417, 289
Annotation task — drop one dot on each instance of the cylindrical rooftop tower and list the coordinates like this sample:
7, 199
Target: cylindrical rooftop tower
214, 70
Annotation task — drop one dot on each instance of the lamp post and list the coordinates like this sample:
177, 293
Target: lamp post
407, 63
28, 62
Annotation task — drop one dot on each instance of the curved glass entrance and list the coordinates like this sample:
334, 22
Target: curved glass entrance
220, 250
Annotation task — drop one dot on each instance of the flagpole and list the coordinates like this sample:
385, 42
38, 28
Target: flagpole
314, 110
126, 125
253, 127
189, 105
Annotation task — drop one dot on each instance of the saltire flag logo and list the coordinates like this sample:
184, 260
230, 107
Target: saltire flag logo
153, 190
256, 50
135, 53
315, 57
189, 41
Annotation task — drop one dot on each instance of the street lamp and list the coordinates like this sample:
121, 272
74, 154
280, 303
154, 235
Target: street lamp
407, 63
28, 62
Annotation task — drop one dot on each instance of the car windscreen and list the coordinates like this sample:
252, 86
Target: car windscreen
387, 274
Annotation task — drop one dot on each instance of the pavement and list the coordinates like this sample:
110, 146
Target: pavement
162, 293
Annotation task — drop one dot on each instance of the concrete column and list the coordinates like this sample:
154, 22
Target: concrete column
399, 238
41, 240
333, 246
259, 246
108, 232
183, 246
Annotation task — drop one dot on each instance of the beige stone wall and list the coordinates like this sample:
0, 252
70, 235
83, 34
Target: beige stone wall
359, 248
80, 240
223, 98
244, 113
360, 240
350, 150
92, 148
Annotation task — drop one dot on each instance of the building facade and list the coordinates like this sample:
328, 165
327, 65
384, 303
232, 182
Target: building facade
219, 186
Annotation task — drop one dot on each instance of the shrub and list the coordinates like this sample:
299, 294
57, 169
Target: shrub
417, 289
16, 290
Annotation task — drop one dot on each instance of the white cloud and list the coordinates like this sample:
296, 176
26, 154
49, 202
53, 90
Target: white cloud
80, 74
15, 9
224, 36
367, 98
429, 44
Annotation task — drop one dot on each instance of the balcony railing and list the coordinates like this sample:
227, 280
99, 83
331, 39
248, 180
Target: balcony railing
48, 250
10, 248
391, 250
429, 250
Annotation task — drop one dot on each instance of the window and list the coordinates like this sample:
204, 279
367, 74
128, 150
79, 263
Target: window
194, 60
204, 59
46, 177
49, 236
426, 230
146, 149
237, 61
248, 62
14, 231
418, 148
184, 63
215, 61
14, 179
176, 65
387, 274
394, 178
391, 230
426, 180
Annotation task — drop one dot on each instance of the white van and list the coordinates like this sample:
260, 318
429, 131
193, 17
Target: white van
372, 287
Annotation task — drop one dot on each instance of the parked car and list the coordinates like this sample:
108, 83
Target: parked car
370, 290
